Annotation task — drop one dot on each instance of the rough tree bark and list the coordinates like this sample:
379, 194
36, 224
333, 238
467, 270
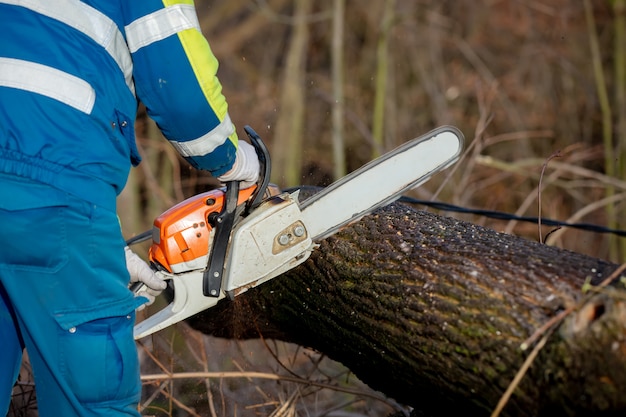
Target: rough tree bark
432, 312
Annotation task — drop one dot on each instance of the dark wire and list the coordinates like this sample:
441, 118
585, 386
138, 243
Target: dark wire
141, 237
506, 216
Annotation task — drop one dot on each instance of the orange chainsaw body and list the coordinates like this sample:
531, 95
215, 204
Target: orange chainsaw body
181, 236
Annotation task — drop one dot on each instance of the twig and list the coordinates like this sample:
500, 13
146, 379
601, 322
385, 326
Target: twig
611, 292
545, 239
154, 359
520, 374
207, 383
177, 402
257, 388
287, 408
146, 404
556, 154
613, 276
523, 165
546, 327
260, 375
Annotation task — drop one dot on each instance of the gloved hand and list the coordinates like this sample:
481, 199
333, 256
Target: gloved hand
140, 272
246, 167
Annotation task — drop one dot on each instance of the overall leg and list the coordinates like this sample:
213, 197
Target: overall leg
11, 347
91, 372
67, 283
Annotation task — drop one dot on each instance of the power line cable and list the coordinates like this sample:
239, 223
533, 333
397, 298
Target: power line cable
507, 216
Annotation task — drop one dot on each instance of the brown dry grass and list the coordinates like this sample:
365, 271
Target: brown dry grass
185, 371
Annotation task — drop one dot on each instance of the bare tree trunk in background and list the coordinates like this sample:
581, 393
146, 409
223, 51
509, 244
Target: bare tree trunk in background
149, 189
432, 79
339, 158
158, 172
129, 205
619, 9
607, 123
382, 71
154, 185
212, 13
230, 40
432, 311
287, 142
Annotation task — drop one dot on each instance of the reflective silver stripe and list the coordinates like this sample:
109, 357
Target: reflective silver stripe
89, 21
206, 143
47, 81
160, 25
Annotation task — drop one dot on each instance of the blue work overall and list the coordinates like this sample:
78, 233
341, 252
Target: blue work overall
72, 73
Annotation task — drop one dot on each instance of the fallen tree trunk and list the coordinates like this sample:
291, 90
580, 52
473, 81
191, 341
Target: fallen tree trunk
432, 312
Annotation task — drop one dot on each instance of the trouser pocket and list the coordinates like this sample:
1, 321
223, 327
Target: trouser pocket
99, 360
34, 233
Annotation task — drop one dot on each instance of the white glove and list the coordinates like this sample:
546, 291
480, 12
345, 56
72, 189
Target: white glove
246, 167
140, 272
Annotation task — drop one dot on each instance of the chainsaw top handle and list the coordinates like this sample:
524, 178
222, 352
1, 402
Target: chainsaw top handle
265, 169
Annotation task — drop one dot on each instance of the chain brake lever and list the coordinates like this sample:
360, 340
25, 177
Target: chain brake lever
225, 221
223, 225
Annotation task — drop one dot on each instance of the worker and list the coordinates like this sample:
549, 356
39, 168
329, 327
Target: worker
71, 76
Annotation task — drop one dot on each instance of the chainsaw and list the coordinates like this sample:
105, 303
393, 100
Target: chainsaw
218, 244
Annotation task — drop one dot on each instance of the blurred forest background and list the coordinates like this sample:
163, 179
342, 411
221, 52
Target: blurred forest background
538, 87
